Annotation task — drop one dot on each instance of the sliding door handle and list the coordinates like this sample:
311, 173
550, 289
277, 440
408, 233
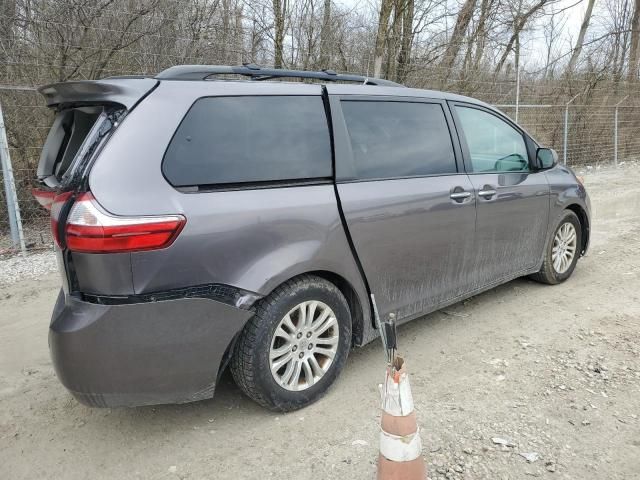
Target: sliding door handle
460, 195
487, 193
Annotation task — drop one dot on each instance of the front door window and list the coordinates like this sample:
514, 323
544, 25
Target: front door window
494, 145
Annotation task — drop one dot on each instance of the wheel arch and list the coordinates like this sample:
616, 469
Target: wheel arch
584, 225
351, 296
357, 310
353, 300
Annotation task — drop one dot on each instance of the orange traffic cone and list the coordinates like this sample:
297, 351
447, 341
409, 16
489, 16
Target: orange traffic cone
400, 445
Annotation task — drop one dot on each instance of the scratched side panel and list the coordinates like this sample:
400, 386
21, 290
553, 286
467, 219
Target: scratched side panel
511, 226
415, 244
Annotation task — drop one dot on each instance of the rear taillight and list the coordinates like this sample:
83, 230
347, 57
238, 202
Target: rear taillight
57, 204
44, 197
90, 229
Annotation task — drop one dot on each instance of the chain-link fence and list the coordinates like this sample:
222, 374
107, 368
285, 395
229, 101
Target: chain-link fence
583, 135
26, 124
590, 119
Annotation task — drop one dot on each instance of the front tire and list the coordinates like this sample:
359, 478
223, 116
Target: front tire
563, 250
294, 347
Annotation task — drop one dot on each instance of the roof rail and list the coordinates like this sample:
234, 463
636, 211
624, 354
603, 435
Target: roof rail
255, 72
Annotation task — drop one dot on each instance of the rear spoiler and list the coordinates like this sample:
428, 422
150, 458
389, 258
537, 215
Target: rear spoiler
123, 91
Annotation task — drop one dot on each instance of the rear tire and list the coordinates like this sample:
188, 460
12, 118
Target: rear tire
566, 239
294, 347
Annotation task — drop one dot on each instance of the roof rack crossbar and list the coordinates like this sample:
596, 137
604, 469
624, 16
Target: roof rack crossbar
202, 72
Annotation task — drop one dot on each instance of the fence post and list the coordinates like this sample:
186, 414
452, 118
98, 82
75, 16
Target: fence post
566, 128
615, 132
15, 222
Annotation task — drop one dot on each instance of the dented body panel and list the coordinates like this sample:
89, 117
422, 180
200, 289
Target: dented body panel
144, 353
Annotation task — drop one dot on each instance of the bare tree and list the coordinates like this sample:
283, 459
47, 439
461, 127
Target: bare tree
632, 73
552, 33
520, 20
382, 37
583, 30
478, 39
279, 15
458, 35
325, 35
404, 56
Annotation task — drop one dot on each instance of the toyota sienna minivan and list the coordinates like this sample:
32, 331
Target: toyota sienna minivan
216, 216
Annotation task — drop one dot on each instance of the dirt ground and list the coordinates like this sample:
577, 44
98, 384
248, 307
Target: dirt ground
554, 371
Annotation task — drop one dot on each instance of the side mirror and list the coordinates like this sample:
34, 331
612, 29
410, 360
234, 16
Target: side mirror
547, 158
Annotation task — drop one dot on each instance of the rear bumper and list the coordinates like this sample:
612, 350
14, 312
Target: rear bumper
143, 353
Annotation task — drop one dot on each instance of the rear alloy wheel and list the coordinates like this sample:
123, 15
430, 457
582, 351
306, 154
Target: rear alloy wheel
562, 252
304, 345
295, 345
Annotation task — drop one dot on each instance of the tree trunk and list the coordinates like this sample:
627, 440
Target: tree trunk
632, 73
382, 35
7, 14
404, 57
226, 18
279, 11
481, 32
239, 35
516, 50
457, 38
7, 20
393, 43
583, 30
325, 35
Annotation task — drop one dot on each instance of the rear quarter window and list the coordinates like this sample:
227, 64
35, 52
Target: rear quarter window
230, 140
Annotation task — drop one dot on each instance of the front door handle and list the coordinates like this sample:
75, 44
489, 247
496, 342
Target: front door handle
460, 196
487, 193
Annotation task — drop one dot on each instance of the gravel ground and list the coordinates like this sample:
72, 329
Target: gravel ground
30, 266
523, 381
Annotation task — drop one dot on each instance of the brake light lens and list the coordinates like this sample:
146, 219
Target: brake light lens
92, 230
44, 197
57, 204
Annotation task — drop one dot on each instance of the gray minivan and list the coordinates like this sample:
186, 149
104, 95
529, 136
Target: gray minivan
203, 221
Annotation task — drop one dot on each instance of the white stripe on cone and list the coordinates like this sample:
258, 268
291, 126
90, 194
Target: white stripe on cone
400, 448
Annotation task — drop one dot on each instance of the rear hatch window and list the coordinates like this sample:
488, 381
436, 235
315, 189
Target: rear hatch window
86, 113
75, 133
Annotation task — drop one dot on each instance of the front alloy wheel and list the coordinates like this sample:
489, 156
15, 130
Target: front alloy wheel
562, 250
564, 247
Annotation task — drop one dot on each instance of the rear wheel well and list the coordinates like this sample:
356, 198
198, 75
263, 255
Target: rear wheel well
357, 317
357, 320
584, 224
